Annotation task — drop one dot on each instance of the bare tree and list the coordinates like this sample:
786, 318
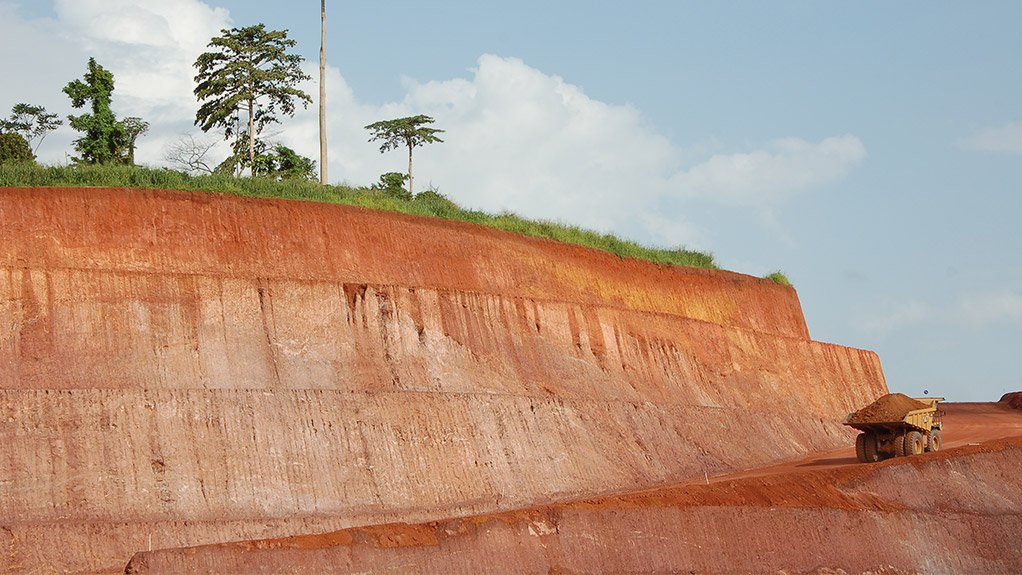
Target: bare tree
322, 92
189, 155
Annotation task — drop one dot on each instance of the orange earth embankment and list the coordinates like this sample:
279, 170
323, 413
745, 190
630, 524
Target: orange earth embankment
179, 369
955, 511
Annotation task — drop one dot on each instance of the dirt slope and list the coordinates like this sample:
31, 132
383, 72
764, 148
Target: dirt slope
956, 511
179, 369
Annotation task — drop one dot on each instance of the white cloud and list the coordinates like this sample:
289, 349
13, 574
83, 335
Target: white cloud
521, 140
150, 46
767, 177
991, 307
515, 139
1005, 139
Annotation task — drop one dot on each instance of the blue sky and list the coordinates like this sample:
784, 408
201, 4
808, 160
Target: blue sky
872, 151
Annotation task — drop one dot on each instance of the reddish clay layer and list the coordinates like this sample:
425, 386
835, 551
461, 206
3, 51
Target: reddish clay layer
166, 232
179, 369
853, 518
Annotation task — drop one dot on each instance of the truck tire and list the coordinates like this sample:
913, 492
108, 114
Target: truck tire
900, 443
933, 441
866, 448
914, 443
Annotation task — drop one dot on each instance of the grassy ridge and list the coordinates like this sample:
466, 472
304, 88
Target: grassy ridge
427, 203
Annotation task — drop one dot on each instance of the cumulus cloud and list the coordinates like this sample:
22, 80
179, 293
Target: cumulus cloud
151, 43
521, 140
518, 140
1005, 139
772, 175
149, 46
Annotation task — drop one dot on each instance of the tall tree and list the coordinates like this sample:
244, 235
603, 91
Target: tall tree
410, 132
322, 92
105, 139
32, 122
101, 130
248, 70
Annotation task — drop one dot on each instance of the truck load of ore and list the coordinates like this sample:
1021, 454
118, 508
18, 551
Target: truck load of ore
890, 407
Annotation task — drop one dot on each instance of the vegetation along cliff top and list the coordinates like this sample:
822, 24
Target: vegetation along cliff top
427, 203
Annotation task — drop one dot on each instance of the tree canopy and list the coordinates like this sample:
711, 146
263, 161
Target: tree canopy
105, 139
14, 148
410, 132
99, 143
32, 122
248, 69
283, 163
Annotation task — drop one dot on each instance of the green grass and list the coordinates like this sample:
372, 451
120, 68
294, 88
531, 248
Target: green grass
778, 277
429, 203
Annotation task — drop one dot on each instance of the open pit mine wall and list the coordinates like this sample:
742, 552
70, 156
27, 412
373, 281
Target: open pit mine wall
175, 363
938, 514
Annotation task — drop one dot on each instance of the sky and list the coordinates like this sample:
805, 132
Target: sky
872, 151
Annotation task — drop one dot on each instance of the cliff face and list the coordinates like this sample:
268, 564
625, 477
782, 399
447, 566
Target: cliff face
182, 368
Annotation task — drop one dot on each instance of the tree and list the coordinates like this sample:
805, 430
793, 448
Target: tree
131, 129
106, 140
286, 164
249, 70
101, 131
410, 132
322, 92
14, 149
189, 155
32, 122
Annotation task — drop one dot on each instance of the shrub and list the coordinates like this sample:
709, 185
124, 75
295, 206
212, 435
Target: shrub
778, 277
14, 149
393, 184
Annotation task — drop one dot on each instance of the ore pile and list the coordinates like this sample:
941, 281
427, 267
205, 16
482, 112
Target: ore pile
890, 407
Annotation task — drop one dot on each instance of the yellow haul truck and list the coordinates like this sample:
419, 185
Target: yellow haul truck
896, 425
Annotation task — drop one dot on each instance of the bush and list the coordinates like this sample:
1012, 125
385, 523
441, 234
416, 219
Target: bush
14, 149
433, 203
393, 184
778, 278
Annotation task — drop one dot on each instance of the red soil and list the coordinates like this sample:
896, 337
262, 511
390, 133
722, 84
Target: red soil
179, 369
888, 408
1012, 400
767, 511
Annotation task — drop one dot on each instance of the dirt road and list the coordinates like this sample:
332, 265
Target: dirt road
964, 424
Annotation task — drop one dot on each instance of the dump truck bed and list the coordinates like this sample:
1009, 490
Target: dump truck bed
919, 420
922, 419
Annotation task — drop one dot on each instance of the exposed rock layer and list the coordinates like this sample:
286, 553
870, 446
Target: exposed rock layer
181, 368
956, 511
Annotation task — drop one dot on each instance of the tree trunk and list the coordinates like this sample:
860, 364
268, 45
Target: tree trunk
410, 170
251, 137
322, 93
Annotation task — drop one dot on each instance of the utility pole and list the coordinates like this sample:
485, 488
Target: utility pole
322, 93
